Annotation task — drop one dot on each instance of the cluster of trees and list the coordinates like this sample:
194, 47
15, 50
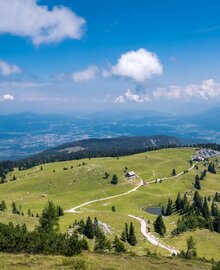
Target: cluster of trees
217, 197
5, 167
128, 235
92, 230
198, 178
195, 214
213, 146
45, 238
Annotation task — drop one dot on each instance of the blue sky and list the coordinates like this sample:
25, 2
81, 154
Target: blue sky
82, 56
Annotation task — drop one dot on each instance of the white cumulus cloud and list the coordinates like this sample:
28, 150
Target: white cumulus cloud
206, 90
133, 97
138, 65
119, 100
129, 96
28, 19
6, 97
7, 69
85, 75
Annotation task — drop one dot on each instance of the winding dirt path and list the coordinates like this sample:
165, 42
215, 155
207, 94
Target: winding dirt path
73, 210
141, 183
151, 238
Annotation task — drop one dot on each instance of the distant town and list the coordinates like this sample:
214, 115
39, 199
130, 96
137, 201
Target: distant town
202, 154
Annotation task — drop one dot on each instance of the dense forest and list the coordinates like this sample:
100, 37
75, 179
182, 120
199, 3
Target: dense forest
196, 212
92, 148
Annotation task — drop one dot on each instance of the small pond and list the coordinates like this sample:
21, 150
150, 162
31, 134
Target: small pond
155, 210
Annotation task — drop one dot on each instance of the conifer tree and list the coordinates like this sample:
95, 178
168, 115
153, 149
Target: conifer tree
178, 202
114, 180
163, 211
216, 224
169, 208
14, 208
89, 229
113, 209
191, 248
197, 182
3, 206
132, 238
29, 212
48, 222
159, 226
123, 237
126, 231
214, 209
60, 211
101, 242
118, 245
197, 200
205, 209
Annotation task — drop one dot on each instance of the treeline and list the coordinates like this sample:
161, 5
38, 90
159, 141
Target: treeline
44, 239
47, 157
5, 167
90, 153
195, 213
213, 146
92, 230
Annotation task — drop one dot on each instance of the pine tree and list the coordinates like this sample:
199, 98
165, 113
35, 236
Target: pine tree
126, 231
3, 206
211, 168
96, 226
123, 237
205, 209
216, 224
163, 212
197, 182
60, 211
174, 172
118, 245
114, 180
29, 212
214, 209
132, 238
48, 222
14, 208
89, 229
178, 202
106, 176
102, 243
113, 209
197, 200
217, 197
159, 226
169, 208
191, 248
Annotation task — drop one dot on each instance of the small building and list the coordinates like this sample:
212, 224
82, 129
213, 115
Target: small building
130, 174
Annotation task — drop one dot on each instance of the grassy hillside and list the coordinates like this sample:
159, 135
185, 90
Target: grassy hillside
80, 183
95, 262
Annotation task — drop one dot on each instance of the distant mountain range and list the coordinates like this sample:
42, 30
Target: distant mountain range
26, 134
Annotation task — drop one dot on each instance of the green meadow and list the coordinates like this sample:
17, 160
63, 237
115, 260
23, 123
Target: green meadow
83, 180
